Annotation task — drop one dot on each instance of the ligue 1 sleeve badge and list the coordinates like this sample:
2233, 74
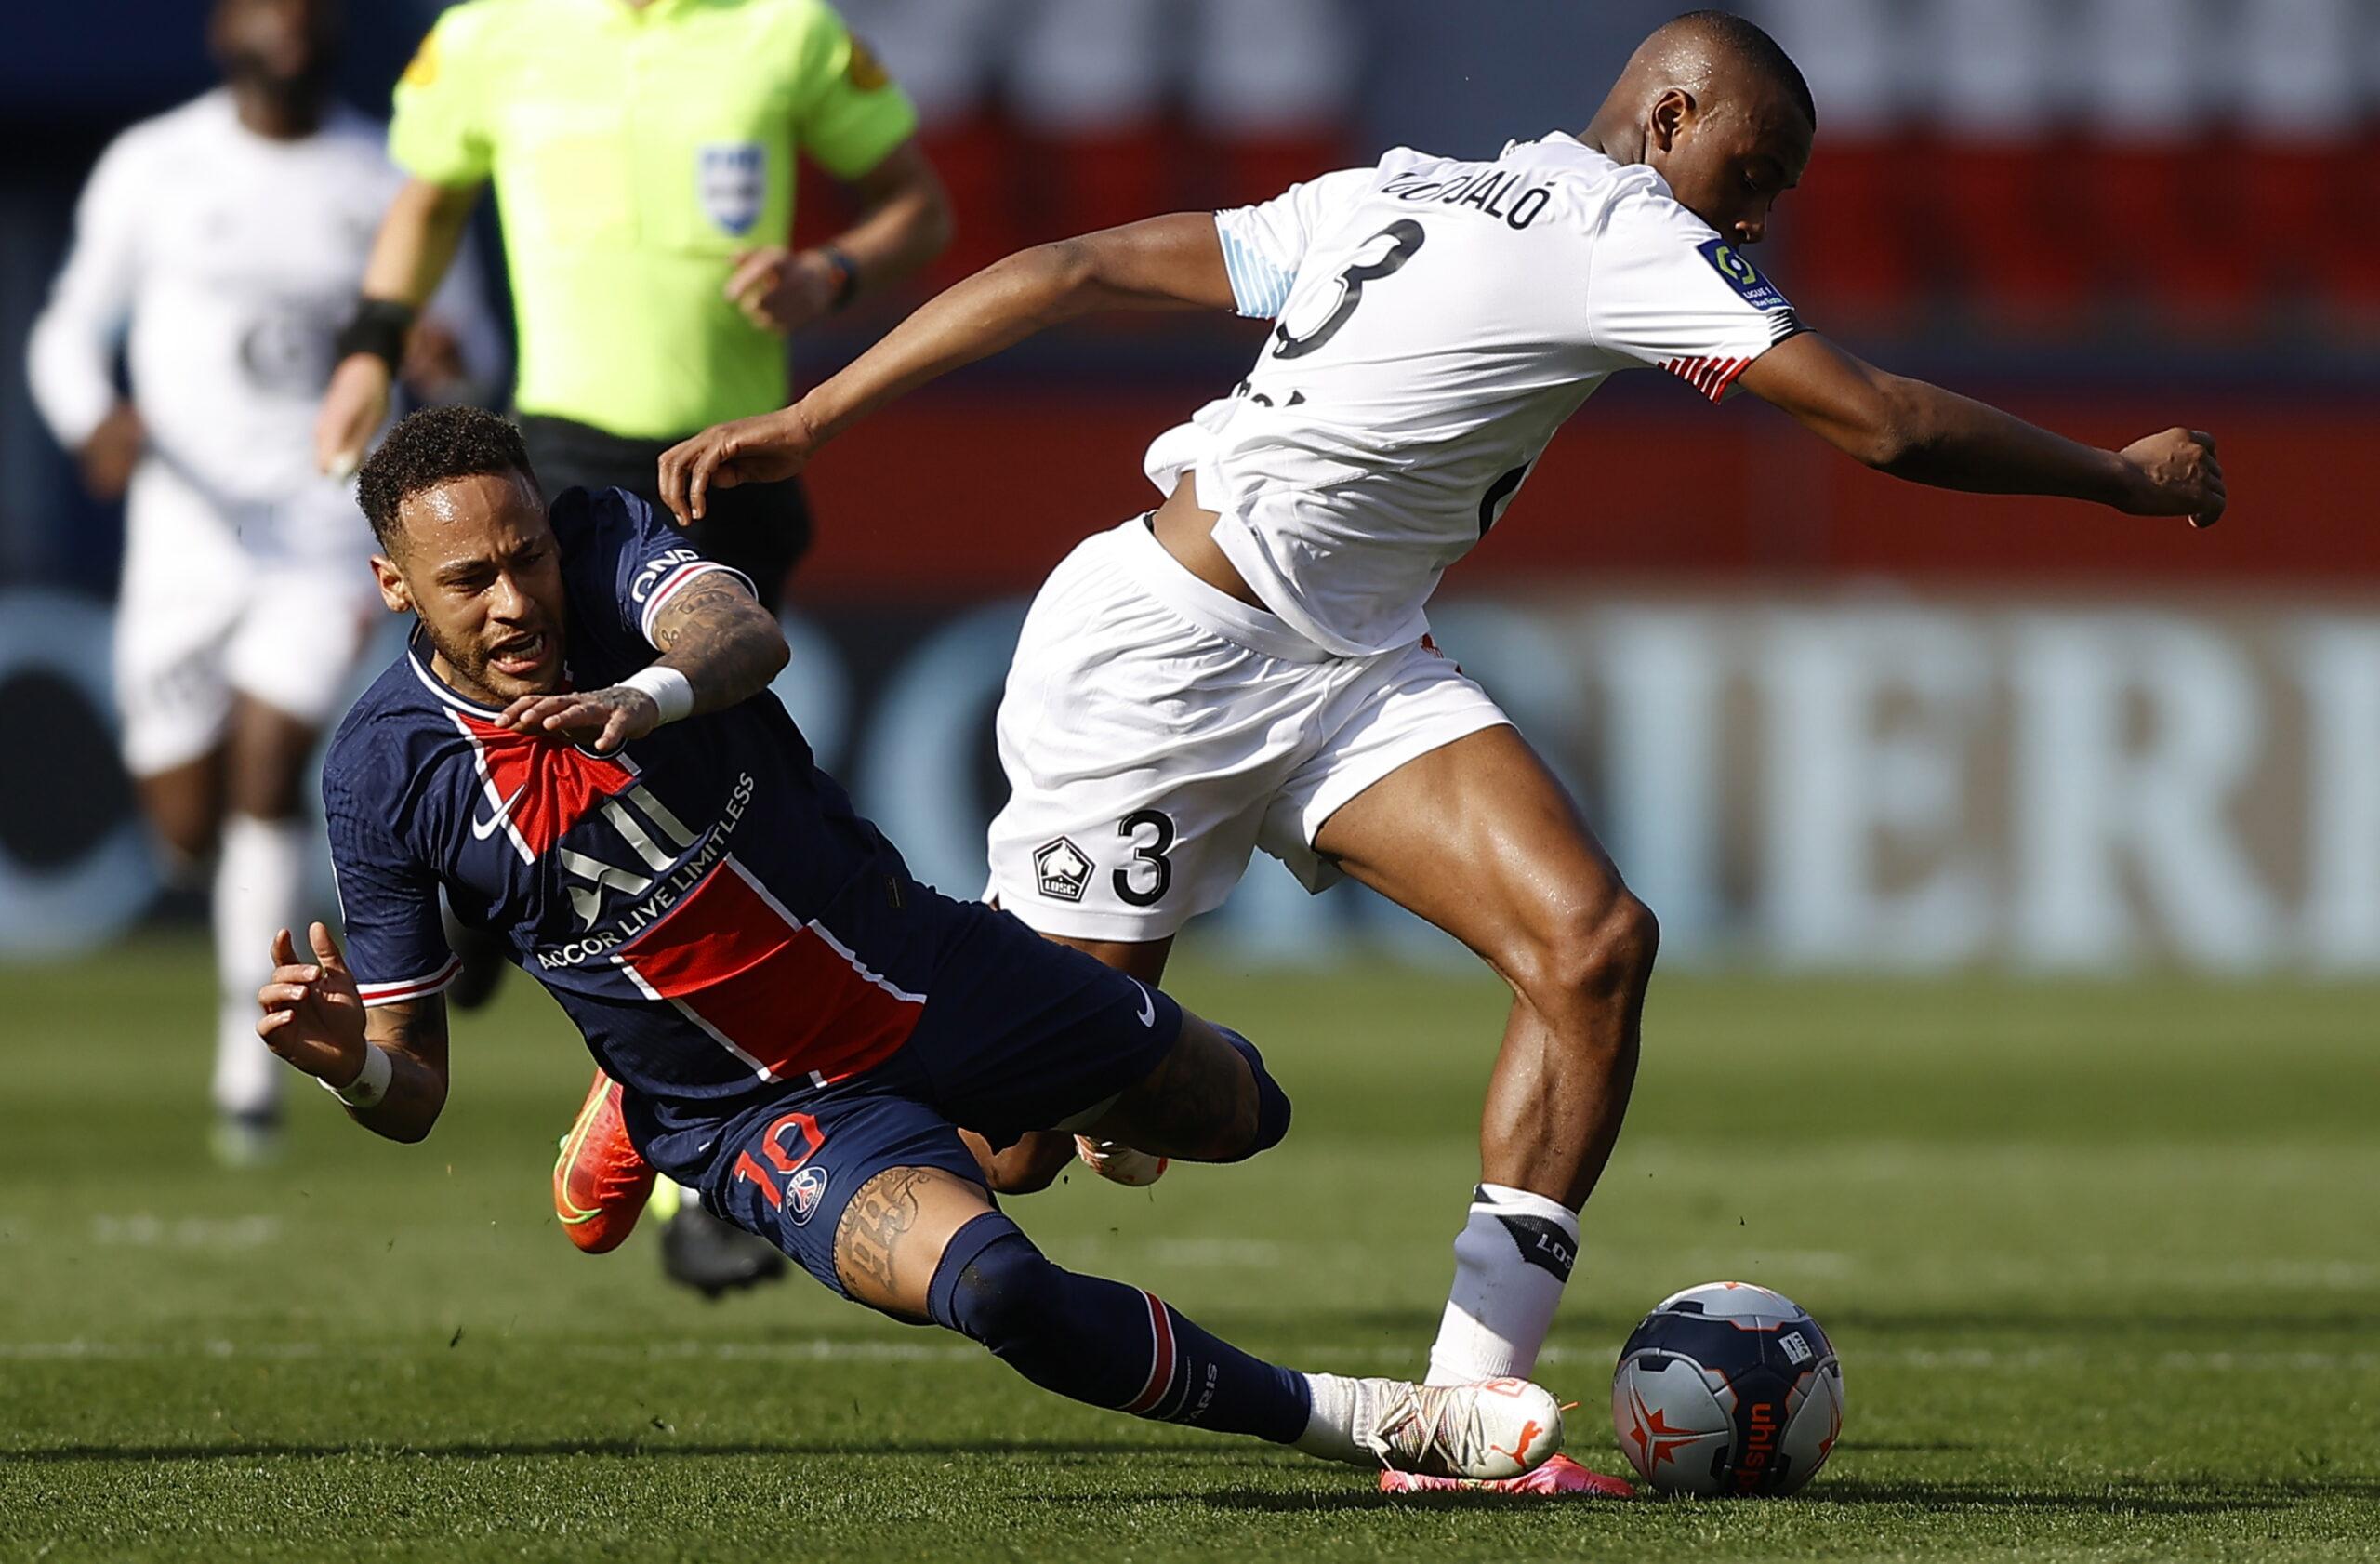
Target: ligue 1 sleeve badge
732, 178
1742, 275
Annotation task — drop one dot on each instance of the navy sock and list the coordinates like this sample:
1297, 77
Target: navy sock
1272, 1103
1105, 1343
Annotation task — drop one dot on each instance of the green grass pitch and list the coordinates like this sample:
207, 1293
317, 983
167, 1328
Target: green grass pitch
2101, 1261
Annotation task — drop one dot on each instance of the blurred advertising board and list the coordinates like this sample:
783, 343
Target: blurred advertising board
1832, 778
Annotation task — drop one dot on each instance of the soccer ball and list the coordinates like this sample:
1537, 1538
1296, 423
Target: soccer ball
1727, 1388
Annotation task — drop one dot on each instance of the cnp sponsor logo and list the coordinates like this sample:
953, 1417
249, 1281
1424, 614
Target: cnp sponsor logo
655, 568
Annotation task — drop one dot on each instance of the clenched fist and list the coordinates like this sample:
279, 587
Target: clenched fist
2176, 474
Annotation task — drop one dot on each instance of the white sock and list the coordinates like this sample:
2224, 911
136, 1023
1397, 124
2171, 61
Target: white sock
1330, 1427
1509, 1262
260, 889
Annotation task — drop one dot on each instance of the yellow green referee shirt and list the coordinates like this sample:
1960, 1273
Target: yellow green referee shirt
634, 152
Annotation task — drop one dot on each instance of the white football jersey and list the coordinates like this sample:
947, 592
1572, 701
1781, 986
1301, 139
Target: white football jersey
225, 263
1437, 319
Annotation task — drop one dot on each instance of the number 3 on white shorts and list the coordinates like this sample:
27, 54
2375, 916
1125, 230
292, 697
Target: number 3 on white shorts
1151, 854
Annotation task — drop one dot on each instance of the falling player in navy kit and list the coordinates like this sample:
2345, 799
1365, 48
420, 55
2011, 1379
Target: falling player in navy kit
579, 745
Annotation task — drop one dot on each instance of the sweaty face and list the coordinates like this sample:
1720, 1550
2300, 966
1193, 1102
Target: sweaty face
479, 565
1729, 163
277, 43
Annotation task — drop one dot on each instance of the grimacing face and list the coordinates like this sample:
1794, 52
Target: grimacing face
475, 560
1729, 163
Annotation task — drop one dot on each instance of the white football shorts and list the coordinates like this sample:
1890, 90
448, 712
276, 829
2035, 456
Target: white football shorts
201, 615
1154, 731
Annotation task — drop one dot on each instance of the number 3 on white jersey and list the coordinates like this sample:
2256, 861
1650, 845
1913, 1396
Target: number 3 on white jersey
1378, 257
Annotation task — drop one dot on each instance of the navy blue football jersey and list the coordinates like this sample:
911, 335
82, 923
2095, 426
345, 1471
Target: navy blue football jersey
706, 903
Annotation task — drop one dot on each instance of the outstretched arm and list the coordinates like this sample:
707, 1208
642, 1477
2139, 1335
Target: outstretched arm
1174, 263
388, 1063
1928, 435
718, 646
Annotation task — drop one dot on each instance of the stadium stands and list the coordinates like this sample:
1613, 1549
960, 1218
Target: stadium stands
2046, 166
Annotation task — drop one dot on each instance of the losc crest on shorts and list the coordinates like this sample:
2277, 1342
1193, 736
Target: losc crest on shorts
1157, 732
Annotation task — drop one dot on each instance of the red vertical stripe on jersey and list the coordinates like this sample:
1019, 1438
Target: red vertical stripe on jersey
548, 787
775, 990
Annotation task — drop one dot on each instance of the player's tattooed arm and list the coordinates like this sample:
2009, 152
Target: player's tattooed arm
314, 1018
711, 630
1172, 262
1927, 435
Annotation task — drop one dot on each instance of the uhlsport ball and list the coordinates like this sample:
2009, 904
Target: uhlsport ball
1727, 1388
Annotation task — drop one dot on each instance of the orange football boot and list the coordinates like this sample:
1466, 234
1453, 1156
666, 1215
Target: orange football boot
600, 1180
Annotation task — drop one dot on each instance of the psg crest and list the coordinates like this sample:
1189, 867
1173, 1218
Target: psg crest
733, 178
808, 1187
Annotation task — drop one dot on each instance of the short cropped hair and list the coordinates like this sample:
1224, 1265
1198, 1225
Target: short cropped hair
1756, 48
433, 446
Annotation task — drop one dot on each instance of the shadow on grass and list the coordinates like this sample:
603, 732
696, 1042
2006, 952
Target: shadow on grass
642, 1450
1945, 1329
2118, 1499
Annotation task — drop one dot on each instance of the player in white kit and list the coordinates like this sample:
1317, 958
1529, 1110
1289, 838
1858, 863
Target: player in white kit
1249, 666
220, 246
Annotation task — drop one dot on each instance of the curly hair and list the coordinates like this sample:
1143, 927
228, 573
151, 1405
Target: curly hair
433, 446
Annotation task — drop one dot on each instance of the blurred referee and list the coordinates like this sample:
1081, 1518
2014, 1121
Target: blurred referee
644, 156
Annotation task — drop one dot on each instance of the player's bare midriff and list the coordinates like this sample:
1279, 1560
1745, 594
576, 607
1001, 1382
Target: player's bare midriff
1187, 530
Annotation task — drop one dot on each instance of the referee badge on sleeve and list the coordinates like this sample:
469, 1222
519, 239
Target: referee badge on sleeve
732, 179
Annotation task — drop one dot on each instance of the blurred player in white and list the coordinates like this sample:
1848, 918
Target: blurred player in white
218, 246
1249, 665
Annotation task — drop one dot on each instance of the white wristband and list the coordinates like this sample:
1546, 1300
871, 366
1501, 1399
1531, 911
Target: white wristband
371, 1082
670, 690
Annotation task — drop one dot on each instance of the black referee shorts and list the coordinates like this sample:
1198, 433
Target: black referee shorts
761, 529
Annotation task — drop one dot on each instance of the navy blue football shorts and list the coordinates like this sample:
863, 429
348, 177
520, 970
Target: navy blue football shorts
1017, 1035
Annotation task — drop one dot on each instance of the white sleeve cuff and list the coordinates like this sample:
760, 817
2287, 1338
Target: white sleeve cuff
411, 987
1258, 288
676, 581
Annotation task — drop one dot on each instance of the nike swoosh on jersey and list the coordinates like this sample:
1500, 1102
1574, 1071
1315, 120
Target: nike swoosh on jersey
483, 829
1148, 1003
